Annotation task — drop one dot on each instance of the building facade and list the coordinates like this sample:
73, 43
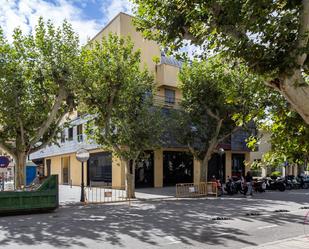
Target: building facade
264, 146
162, 167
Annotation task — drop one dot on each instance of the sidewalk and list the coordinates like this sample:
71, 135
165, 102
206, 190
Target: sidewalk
71, 195
301, 242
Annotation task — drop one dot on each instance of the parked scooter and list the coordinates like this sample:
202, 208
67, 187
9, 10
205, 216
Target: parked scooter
260, 185
276, 184
230, 186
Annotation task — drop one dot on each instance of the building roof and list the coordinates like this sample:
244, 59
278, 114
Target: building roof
170, 61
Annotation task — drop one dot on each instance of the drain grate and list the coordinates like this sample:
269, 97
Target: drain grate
282, 211
253, 214
304, 208
221, 218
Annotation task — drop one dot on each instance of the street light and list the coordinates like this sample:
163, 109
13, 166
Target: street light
82, 155
221, 153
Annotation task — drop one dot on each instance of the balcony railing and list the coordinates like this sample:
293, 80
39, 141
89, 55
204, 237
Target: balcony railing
80, 138
166, 102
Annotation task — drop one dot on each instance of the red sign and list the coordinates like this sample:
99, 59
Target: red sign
4, 161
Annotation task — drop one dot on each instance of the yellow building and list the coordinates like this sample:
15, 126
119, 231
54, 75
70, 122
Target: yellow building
164, 166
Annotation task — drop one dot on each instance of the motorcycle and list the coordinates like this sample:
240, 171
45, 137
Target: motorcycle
260, 185
230, 187
276, 184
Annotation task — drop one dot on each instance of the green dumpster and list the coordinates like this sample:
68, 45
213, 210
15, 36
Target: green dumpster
43, 199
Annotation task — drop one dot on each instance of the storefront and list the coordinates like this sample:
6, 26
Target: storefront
238, 165
216, 167
144, 170
99, 169
177, 167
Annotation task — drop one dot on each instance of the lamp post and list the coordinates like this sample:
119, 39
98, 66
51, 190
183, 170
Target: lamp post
221, 153
82, 155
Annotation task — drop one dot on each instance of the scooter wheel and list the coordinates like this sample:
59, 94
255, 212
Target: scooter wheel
281, 188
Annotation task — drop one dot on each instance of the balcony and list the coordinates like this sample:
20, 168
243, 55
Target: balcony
167, 75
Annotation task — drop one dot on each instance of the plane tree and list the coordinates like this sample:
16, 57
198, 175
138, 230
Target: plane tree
219, 99
270, 37
119, 94
289, 135
38, 73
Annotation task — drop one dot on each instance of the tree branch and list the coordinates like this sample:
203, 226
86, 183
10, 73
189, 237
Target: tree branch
214, 141
54, 132
8, 148
62, 94
109, 109
210, 113
192, 150
303, 32
22, 131
229, 134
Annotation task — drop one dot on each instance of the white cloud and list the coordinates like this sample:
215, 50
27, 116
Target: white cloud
111, 8
25, 13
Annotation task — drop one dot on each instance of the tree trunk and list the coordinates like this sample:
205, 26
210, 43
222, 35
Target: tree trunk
297, 96
128, 180
204, 169
133, 179
20, 170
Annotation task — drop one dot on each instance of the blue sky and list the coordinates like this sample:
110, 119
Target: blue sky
86, 16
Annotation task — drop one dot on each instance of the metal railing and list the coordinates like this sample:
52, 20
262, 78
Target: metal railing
166, 102
191, 190
106, 194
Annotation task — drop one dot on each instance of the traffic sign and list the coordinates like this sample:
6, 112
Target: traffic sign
4, 161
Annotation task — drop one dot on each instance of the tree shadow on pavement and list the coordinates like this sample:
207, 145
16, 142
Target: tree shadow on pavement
148, 222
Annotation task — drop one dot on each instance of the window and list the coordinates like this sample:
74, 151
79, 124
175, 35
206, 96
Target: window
80, 133
169, 96
70, 131
62, 136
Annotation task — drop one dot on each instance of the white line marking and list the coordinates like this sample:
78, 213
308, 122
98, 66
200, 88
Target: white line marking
172, 239
270, 226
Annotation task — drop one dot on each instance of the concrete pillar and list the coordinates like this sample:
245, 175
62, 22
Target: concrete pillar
247, 162
158, 168
264, 171
118, 175
228, 164
283, 171
197, 171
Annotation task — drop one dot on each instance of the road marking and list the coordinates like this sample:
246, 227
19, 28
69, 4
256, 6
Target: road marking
270, 226
172, 239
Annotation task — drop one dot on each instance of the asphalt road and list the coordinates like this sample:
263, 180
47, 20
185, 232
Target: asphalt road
243, 223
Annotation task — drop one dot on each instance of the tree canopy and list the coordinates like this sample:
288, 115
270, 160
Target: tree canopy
218, 100
270, 37
289, 135
38, 73
119, 95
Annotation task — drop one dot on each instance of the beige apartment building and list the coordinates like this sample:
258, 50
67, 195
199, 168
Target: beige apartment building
163, 167
264, 146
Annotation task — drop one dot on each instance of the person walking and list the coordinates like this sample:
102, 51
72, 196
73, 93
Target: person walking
249, 181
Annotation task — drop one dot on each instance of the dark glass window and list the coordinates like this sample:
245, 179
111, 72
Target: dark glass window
62, 136
177, 168
70, 134
238, 165
169, 96
80, 133
100, 168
